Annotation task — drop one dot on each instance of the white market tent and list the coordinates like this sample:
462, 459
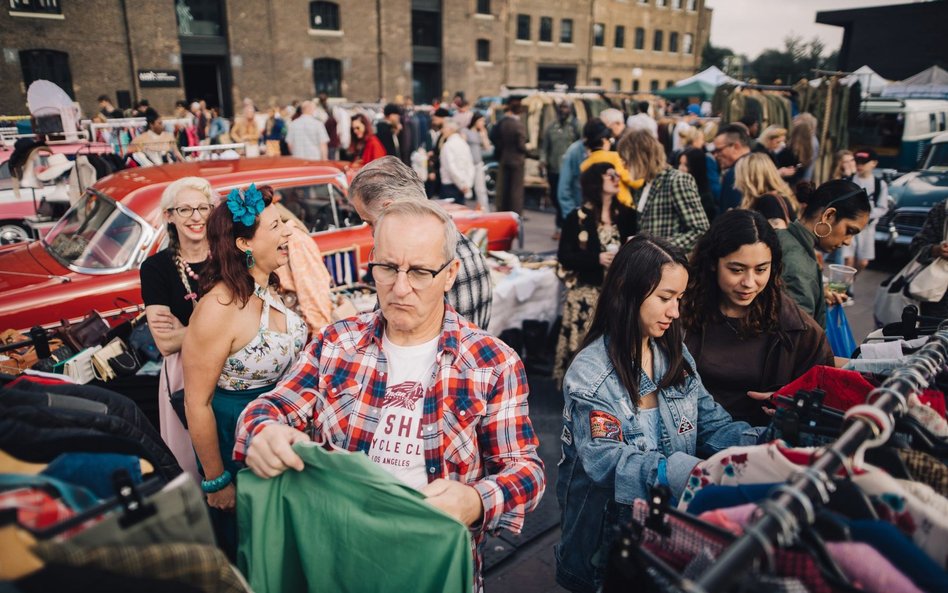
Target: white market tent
927, 84
712, 75
870, 81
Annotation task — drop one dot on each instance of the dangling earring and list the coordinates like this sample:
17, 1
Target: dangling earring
828, 226
250, 260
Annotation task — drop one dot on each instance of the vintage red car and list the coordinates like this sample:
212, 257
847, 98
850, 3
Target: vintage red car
90, 259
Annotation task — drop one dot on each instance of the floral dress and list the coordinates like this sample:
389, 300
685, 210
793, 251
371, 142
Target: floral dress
580, 307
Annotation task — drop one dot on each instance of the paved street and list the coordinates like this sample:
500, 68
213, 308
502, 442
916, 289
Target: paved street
525, 564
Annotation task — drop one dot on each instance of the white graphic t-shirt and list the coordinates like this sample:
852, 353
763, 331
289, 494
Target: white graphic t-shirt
397, 445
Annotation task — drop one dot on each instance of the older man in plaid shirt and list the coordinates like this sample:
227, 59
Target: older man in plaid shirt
432, 399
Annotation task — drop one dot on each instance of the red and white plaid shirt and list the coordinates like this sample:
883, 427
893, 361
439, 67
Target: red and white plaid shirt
476, 427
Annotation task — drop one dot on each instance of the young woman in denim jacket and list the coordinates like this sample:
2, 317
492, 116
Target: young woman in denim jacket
636, 413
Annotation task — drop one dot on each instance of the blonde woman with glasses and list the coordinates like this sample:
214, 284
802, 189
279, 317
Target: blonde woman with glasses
170, 291
763, 190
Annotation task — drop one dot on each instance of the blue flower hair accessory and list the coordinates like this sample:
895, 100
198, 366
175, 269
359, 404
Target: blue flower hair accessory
245, 205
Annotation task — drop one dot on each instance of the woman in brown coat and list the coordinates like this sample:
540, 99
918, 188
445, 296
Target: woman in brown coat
747, 337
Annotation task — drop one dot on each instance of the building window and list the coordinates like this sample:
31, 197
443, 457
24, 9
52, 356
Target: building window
653, 85
661, 3
566, 31
687, 43
676, 4
692, 5
546, 28
47, 64
658, 41
635, 86
599, 35
523, 27
425, 28
36, 6
201, 17
483, 50
324, 16
669, 84
617, 84
327, 76
595, 81
620, 36
643, 1
639, 38
483, 6
673, 41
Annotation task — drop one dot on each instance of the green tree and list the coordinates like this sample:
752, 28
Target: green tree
714, 56
796, 60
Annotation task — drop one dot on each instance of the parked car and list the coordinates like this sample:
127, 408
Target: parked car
90, 259
914, 194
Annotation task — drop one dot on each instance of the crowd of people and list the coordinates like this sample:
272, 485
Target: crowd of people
694, 291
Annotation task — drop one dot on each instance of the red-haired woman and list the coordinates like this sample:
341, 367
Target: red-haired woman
241, 339
366, 146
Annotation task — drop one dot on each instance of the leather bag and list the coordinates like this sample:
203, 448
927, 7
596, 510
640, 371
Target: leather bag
89, 332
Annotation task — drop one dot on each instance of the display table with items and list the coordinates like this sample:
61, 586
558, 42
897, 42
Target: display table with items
524, 290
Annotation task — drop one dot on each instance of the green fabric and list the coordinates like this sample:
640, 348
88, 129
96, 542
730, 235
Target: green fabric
801, 276
345, 524
697, 88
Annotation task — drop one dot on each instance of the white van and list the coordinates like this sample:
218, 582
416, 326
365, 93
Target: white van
899, 130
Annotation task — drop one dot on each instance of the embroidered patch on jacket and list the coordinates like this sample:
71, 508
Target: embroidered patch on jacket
685, 425
567, 436
605, 426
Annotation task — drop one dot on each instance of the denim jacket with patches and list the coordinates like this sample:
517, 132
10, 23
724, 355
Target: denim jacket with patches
603, 470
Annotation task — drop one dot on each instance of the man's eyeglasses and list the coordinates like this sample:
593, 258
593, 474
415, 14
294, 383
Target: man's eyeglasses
719, 149
187, 211
418, 278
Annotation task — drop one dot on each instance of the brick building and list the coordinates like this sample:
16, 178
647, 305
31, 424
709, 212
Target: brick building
224, 50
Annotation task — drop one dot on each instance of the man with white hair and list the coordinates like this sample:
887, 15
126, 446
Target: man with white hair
431, 399
615, 121
386, 181
457, 164
306, 135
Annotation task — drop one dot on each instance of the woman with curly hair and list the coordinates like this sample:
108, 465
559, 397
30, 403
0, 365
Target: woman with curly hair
748, 339
756, 177
241, 340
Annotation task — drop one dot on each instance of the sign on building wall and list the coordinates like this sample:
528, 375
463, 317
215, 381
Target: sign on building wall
159, 78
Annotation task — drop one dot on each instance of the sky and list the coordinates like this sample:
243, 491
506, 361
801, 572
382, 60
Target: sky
751, 26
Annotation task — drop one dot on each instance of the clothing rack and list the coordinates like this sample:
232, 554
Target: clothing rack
793, 505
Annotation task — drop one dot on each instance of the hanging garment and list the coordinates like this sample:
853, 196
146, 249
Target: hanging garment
94, 470
775, 463
180, 517
859, 562
203, 567
60, 577
344, 524
926, 469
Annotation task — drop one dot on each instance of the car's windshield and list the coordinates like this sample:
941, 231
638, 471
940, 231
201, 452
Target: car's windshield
94, 233
938, 157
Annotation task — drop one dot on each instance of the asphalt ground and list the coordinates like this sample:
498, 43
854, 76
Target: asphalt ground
525, 564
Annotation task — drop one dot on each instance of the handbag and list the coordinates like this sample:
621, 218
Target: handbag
930, 283
893, 296
80, 368
142, 343
838, 333
89, 332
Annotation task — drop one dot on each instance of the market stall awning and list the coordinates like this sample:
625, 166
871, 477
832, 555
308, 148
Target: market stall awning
714, 75
927, 84
697, 88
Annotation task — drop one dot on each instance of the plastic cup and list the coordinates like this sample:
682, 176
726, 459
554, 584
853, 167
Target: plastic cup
612, 249
841, 278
